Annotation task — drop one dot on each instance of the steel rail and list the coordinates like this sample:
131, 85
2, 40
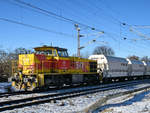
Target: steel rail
7, 94
19, 103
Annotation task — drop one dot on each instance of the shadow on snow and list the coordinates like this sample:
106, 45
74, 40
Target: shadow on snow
136, 98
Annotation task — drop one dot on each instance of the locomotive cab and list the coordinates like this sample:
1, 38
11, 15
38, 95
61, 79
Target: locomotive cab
52, 51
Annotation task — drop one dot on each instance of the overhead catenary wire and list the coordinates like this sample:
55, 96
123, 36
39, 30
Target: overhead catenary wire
34, 10
139, 33
57, 17
110, 15
120, 23
34, 27
28, 8
62, 18
109, 8
43, 11
140, 47
95, 7
89, 8
71, 10
106, 13
80, 4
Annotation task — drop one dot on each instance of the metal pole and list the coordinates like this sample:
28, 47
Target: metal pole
78, 39
78, 50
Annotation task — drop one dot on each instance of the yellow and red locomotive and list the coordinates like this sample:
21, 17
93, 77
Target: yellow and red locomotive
51, 66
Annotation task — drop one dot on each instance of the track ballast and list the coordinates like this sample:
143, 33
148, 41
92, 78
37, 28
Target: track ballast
19, 103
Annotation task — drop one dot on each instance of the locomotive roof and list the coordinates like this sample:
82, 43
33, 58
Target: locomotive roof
49, 47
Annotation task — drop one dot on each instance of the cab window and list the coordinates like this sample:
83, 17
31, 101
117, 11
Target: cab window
48, 52
62, 53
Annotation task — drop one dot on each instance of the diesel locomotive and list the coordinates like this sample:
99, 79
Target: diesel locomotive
52, 66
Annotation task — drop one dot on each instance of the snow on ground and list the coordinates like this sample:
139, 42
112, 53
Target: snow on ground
62, 91
50, 92
75, 104
4, 86
133, 103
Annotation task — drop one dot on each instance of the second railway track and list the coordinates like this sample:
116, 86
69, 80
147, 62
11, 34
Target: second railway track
18, 103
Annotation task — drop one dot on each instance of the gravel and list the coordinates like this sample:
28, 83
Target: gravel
75, 104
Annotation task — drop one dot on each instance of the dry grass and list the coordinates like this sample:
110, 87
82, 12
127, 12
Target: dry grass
107, 111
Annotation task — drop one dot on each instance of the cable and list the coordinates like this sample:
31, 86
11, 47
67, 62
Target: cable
28, 8
114, 18
100, 9
35, 27
71, 10
84, 8
51, 13
54, 14
108, 7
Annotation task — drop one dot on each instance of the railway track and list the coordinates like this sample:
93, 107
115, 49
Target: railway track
12, 104
7, 94
11, 93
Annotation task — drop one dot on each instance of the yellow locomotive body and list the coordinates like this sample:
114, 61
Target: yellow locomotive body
50, 66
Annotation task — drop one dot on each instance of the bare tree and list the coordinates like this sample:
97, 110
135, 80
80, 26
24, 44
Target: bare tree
18, 51
145, 58
6, 59
104, 50
133, 57
21, 51
4, 65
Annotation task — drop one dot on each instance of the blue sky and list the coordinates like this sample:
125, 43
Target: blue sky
105, 15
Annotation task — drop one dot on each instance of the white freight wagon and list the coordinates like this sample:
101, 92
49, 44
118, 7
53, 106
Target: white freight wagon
111, 66
136, 67
147, 68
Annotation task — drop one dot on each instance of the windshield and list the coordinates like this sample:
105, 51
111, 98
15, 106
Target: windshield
48, 52
62, 53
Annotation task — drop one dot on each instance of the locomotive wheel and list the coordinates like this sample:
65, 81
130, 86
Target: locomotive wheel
18, 86
31, 86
